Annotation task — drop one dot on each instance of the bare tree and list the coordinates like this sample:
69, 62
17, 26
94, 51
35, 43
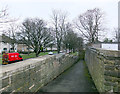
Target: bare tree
58, 20
80, 47
52, 43
11, 32
4, 17
35, 34
69, 38
70, 41
90, 24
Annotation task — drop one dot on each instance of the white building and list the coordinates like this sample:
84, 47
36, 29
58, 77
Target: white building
5, 44
110, 46
106, 46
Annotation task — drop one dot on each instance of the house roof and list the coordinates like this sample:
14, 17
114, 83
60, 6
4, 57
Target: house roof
107, 43
6, 39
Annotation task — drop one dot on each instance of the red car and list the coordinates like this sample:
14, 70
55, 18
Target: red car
11, 57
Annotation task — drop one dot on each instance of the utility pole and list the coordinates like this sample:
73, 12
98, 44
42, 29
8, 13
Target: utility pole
9, 41
119, 25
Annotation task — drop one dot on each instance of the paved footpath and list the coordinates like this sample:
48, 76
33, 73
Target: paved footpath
72, 80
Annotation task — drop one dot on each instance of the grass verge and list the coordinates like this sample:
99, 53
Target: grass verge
31, 55
0, 60
76, 53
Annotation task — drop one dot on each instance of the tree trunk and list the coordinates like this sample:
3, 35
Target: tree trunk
66, 49
51, 48
37, 54
92, 39
73, 50
69, 50
58, 48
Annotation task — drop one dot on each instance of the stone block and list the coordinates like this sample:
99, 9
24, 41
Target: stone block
37, 68
107, 88
110, 62
32, 71
26, 73
16, 86
108, 83
110, 67
5, 82
16, 77
112, 79
8, 89
119, 73
117, 62
111, 73
115, 89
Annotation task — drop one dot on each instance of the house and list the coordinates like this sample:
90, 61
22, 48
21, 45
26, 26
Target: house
6, 44
22, 47
106, 45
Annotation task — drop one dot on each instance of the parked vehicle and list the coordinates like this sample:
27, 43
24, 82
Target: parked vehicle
50, 53
61, 51
11, 57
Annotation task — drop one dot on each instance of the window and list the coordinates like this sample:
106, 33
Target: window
11, 48
5, 49
20, 56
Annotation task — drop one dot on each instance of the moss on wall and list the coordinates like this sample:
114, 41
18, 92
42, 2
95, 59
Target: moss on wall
30, 75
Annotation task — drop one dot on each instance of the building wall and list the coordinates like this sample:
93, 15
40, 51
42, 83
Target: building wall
6, 45
107, 46
104, 67
18, 47
22, 47
98, 45
30, 75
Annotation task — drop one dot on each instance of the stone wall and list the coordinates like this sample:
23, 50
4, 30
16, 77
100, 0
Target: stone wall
104, 67
30, 75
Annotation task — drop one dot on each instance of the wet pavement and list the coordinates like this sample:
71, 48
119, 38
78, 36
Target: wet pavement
75, 79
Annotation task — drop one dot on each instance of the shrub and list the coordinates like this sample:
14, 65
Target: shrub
82, 55
3, 52
24, 52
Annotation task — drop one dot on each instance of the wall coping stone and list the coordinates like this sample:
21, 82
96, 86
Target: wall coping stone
108, 54
11, 68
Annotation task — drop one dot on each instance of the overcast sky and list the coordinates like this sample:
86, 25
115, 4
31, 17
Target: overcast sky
43, 9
